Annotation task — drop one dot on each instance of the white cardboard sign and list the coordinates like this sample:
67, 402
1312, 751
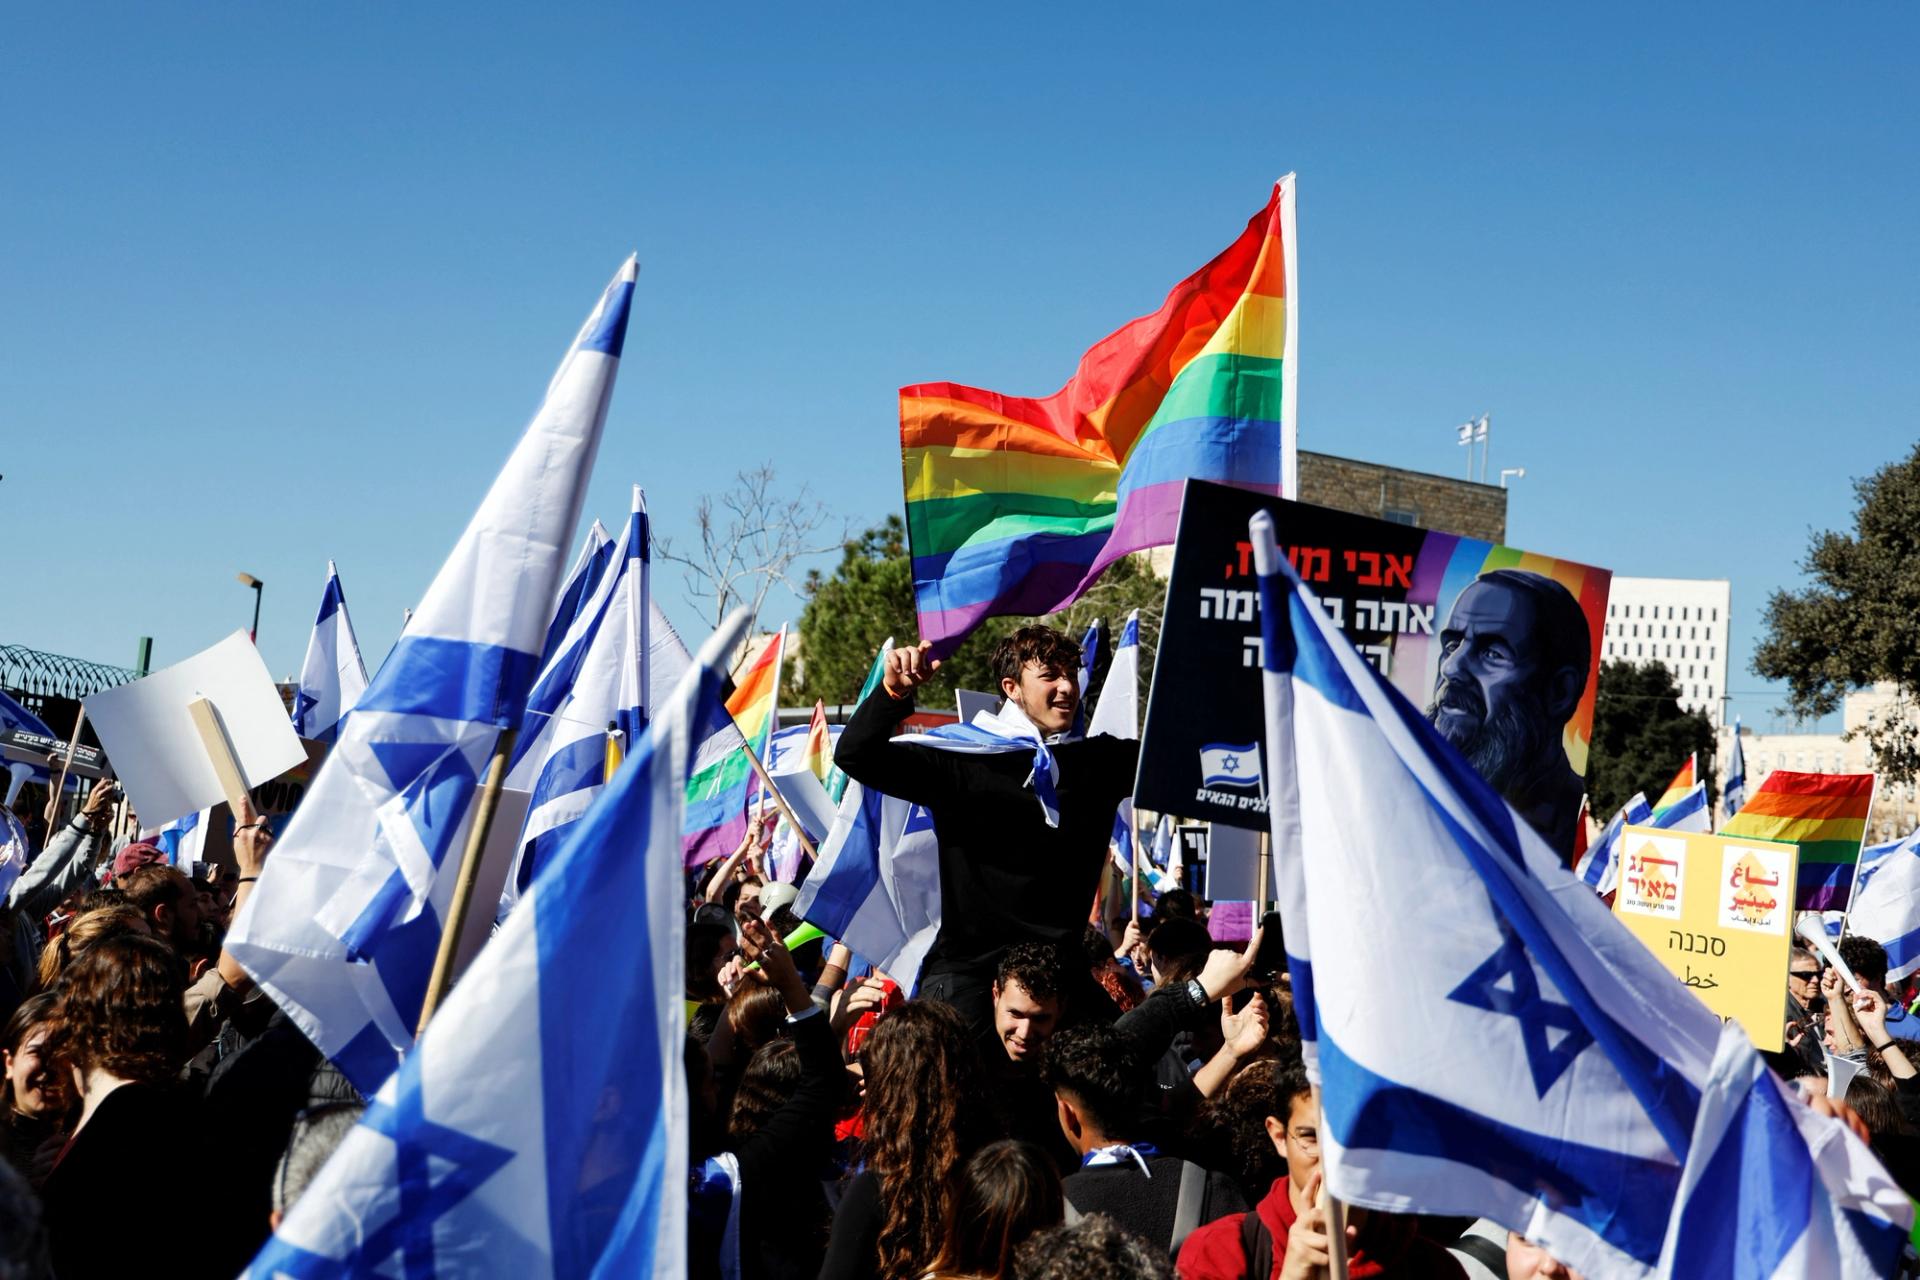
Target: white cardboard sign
154, 749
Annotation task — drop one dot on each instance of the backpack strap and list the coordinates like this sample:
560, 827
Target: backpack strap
1256, 1246
1186, 1210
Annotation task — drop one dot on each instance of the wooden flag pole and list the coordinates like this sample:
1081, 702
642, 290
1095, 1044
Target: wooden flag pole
1260, 892
1331, 1209
73, 740
766, 779
226, 766
470, 861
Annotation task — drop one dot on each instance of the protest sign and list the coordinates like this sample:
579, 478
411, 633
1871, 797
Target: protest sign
23, 746
972, 702
1433, 612
147, 729
1718, 912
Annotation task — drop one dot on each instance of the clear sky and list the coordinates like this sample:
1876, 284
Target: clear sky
283, 283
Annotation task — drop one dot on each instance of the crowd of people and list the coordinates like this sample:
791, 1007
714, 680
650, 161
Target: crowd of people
1053, 1099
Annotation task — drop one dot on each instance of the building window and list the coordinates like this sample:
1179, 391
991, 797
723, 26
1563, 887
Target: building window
1716, 615
1400, 515
1641, 651
1710, 653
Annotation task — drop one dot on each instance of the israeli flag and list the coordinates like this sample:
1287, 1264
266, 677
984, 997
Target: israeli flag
1734, 793
621, 672
1886, 902
1118, 716
342, 929
184, 839
15, 850
1168, 855
1225, 765
1092, 647
1605, 1101
876, 886
1689, 813
333, 677
1599, 867
540, 1128
583, 580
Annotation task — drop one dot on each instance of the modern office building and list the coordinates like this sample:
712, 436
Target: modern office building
1681, 622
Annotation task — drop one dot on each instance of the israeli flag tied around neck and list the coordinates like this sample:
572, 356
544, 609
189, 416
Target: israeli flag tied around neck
1886, 902
999, 732
540, 1127
621, 672
333, 677
1118, 715
343, 927
1599, 867
1605, 1116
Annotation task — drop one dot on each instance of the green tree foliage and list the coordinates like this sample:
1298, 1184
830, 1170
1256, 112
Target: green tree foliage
869, 596
1641, 737
1858, 623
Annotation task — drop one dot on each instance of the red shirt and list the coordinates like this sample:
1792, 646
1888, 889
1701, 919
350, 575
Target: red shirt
1387, 1247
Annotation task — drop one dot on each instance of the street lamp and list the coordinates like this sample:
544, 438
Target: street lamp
1518, 473
248, 580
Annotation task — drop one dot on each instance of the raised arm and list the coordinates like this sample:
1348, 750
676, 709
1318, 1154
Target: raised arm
67, 859
867, 752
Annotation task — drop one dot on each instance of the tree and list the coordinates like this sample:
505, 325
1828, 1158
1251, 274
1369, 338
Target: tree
1641, 736
869, 596
748, 545
1859, 622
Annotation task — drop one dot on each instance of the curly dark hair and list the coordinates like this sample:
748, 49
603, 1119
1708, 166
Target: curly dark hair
1867, 959
1008, 1191
1035, 966
1265, 1087
102, 897
1098, 1069
1094, 1246
772, 1074
926, 1111
120, 1007
1054, 650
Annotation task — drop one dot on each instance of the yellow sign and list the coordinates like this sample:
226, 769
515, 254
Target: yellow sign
1718, 911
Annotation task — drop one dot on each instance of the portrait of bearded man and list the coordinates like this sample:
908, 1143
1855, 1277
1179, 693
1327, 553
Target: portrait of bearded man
1514, 658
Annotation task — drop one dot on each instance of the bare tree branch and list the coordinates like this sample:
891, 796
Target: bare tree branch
749, 545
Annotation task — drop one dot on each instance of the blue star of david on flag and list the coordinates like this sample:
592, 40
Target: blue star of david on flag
1520, 998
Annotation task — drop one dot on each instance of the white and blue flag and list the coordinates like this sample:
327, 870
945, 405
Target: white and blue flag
626, 663
1092, 649
1690, 812
1604, 1101
184, 839
1168, 856
1599, 867
1734, 793
540, 1128
1886, 902
344, 924
1118, 716
13, 716
333, 677
596, 553
1225, 764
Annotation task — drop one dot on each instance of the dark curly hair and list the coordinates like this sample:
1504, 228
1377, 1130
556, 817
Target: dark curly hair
1265, 1087
1053, 650
1008, 1191
772, 1074
1094, 1246
926, 1111
1867, 959
1098, 1068
120, 1007
1035, 966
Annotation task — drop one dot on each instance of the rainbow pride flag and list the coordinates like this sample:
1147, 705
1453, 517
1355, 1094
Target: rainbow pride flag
716, 814
1016, 505
1677, 789
819, 756
1826, 815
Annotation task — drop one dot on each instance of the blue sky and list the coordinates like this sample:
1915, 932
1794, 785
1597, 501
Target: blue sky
285, 282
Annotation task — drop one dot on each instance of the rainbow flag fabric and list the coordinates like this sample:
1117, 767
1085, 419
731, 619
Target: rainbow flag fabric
819, 757
1826, 815
1016, 505
716, 814
1677, 789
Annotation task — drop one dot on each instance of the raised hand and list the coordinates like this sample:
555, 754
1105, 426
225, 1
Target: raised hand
908, 669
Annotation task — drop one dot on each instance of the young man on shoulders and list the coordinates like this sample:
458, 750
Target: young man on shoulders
1009, 871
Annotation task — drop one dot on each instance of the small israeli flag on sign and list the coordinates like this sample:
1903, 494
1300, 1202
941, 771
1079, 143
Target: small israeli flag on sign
1225, 765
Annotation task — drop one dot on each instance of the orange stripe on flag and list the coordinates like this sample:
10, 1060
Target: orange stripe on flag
1774, 804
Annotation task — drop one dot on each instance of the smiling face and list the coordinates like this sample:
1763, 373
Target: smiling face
36, 1087
1048, 695
1022, 1020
